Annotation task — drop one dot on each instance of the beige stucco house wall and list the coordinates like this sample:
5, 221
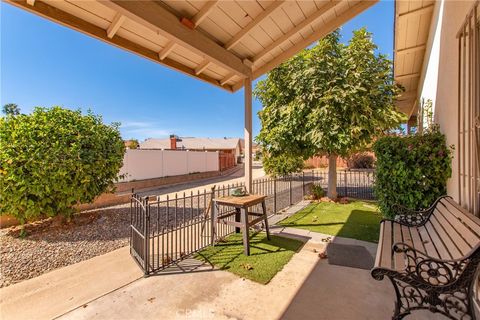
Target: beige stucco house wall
440, 73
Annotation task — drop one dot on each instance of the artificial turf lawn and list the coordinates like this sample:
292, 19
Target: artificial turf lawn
358, 220
265, 260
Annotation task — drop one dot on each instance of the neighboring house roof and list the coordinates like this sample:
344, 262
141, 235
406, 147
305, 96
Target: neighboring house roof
192, 143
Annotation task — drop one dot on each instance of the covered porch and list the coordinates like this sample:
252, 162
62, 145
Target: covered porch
228, 44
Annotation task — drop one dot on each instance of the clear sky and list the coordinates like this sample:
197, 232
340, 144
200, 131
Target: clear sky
45, 64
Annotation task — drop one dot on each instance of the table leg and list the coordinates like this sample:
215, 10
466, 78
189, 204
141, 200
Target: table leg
265, 217
246, 242
237, 219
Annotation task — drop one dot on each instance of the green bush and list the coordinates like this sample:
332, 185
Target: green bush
411, 171
282, 165
317, 192
53, 159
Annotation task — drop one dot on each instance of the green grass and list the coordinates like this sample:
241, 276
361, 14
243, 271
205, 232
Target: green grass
358, 220
265, 260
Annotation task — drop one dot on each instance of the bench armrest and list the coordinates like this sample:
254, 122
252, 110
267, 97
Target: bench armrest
430, 270
413, 218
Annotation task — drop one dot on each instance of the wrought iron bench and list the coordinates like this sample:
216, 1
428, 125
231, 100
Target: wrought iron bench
431, 257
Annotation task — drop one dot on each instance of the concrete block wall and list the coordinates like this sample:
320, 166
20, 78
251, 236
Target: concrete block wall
140, 164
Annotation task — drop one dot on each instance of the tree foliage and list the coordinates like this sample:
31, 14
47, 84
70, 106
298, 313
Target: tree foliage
282, 164
54, 159
11, 109
332, 99
132, 144
412, 170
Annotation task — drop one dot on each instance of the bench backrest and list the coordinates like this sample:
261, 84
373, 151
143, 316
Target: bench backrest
454, 231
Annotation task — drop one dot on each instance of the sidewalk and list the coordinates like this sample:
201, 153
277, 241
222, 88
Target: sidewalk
54, 293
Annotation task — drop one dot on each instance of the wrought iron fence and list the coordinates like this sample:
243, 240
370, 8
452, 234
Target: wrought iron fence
165, 230
355, 183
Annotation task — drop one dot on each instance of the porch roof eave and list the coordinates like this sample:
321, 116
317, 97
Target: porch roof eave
219, 42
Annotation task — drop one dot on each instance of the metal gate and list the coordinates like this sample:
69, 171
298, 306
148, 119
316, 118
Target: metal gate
164, 232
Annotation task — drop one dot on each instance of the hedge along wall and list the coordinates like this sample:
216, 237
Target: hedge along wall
411, 171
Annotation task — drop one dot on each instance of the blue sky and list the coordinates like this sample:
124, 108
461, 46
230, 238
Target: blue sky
45, 64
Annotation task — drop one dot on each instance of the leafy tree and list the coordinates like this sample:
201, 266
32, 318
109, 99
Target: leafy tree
329, 99
55, 158
132, 144
11, 109
282, 164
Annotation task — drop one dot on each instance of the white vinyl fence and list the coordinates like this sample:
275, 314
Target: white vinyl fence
139, 164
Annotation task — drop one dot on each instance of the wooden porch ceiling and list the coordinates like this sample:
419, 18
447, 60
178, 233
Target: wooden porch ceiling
412, 27
220, 42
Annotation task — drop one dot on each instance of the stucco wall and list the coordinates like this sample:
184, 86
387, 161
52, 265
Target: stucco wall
446, 103
141, 164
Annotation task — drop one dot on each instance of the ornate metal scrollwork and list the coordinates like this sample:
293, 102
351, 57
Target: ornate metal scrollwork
411, 218
432, 284
429, 270
454, 305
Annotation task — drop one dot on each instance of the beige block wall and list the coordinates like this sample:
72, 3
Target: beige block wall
446, 112
140, 164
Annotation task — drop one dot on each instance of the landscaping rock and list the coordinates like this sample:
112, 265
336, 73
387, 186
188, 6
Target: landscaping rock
49, 246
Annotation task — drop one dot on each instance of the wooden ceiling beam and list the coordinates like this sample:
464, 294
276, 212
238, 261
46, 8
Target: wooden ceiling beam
252, 24
416, 12
115, 25
68, 20
31, 2
329, 27
411, 49
407, 76
203, 13
227, 78
302, 25
202, 66
159, 19
166, 51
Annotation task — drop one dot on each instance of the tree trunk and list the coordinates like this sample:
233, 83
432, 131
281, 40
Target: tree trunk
332, 176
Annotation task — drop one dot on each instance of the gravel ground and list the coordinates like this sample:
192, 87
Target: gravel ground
55, 247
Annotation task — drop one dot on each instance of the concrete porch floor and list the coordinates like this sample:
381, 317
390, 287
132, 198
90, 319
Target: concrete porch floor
111, 287
307, 288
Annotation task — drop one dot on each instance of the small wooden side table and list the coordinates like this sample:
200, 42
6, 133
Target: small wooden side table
241, 205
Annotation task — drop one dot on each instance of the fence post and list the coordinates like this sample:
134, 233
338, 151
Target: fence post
303, 185
290, 188
146, 234
274, 195
212, 217
345, 182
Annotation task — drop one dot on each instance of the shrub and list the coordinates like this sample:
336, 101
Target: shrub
317, 191
412, 170
54, 159
361, 161
282, 164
